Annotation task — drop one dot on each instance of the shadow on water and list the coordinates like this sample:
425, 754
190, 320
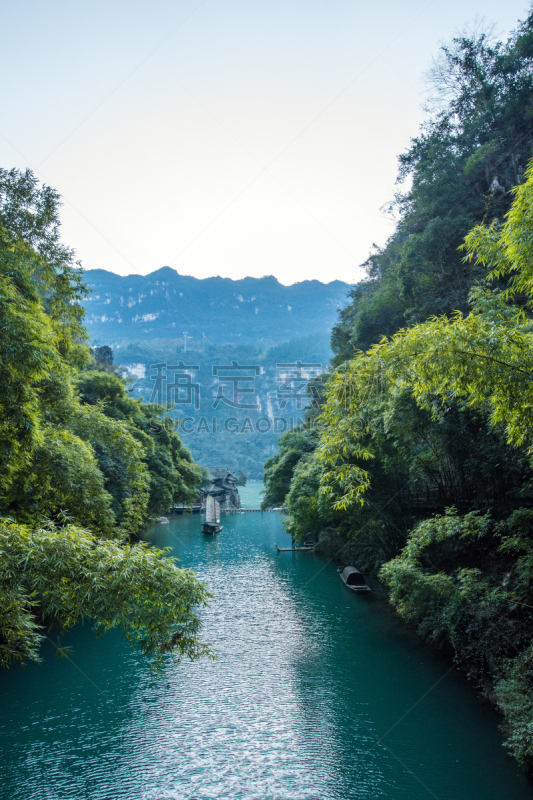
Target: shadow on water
374, 673
308, 676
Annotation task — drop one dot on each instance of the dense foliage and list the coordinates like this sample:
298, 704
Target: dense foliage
82, 464
220, 434
58, 577
419, 462
472, 150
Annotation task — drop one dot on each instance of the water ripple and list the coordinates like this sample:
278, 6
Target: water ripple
307, 676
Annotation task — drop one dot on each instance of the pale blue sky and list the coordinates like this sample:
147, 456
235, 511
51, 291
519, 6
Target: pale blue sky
222, 137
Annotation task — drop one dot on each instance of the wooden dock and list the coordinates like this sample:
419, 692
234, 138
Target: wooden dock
243, 510
181, 508
196, 508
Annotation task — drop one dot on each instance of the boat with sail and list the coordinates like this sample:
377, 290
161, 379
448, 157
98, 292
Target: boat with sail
212, 516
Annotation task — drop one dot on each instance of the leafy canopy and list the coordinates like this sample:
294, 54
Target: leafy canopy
76, 448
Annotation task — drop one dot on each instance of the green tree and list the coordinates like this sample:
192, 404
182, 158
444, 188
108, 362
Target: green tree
75, 446
430, 403
173, 477
471, 151
279, 469
464, 579
52, 578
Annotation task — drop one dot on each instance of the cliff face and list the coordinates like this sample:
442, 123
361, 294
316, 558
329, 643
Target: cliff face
223, 488
163, 305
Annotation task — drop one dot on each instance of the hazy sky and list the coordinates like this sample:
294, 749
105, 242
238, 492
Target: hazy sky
222, 137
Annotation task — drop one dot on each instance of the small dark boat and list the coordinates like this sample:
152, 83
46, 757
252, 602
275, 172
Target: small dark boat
293, 549
354, 579
210, 529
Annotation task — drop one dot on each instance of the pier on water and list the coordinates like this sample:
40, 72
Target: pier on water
198, 508
224, 489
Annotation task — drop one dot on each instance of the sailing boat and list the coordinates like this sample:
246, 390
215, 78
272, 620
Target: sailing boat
212, 516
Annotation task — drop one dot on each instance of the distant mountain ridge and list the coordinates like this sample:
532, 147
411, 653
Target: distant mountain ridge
164, 305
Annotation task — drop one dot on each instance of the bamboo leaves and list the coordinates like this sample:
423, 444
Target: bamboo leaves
70, 576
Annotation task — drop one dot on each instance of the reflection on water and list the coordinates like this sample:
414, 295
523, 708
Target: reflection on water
252, 494
308, 676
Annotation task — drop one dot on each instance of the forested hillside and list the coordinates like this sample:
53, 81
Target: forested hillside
83, 466
163, 305
237, 436
469, 154
418, 463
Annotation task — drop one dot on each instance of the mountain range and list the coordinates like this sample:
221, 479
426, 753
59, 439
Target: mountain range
173, 309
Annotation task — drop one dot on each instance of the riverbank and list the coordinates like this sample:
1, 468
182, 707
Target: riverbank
316, 693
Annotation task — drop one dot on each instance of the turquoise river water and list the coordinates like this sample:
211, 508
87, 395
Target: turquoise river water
317, 694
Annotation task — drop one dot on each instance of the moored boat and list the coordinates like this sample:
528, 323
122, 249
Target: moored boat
354, 579
293, 549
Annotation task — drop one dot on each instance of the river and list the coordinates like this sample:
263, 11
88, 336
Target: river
317, 694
